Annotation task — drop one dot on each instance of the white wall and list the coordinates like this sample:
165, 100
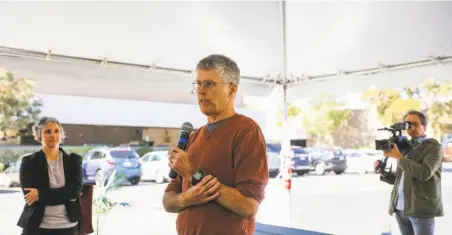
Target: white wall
116, 112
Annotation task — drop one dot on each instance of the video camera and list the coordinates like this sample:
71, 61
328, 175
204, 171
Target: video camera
397, 138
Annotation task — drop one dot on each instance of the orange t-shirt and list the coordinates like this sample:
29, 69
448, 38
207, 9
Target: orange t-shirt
235, 153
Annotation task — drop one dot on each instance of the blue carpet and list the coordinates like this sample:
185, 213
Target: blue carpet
264, 229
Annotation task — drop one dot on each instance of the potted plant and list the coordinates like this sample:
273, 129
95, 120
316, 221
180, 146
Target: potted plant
102, 203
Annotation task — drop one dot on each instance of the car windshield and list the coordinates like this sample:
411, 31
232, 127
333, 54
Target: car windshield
123, 154
337, 151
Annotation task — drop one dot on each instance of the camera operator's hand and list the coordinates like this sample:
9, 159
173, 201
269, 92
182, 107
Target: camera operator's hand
394, 152
205, 191
377, 167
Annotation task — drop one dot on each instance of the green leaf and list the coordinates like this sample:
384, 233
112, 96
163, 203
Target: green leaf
18, 105
432, 97
325, 116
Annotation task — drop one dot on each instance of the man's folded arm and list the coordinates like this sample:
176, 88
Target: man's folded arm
251, 175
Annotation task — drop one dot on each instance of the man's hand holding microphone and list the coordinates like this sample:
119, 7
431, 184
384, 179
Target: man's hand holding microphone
206, 190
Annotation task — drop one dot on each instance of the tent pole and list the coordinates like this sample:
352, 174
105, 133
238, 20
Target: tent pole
285, 141
284, 55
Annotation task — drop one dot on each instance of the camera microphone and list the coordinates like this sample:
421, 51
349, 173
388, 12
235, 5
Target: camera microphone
186, 129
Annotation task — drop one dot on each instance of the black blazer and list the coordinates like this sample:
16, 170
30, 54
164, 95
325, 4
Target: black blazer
34, 174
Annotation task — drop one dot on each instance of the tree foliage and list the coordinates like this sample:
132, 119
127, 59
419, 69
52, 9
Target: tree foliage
292, 111
390, 105
18, 106
325, 116
438, 104
431, 97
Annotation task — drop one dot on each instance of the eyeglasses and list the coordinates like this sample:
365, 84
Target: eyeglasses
206, 84
415, 124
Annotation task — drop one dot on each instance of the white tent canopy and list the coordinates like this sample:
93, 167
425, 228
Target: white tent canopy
323, 39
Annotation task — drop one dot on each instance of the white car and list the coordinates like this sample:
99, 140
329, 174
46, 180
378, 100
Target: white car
360, 162
274, 163
155, 167
12, 172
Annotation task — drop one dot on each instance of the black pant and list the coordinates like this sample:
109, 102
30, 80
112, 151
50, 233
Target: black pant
63, 231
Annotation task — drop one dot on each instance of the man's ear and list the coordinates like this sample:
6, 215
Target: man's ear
233, 90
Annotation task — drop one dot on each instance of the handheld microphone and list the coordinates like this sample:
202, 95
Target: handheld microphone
186, 129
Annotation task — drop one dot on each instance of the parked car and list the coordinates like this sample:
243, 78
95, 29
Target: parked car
447, 148
361, 162
12, 172
274, 163
155, 166
324, 160
320, 160
99, 163
299, 163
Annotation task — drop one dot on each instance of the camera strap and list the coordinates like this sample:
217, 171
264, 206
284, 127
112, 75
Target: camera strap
415, 143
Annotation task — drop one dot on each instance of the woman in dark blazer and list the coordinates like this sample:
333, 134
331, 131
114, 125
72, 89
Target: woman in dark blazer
52, 182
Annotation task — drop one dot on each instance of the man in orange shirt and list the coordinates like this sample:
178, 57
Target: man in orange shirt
224, 171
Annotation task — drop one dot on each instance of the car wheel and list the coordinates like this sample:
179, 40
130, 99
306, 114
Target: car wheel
320, 168
159, 178
338, 172
301, 172
135, 181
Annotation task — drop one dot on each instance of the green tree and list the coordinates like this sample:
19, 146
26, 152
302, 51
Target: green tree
18, 106
390, 105
325, 116
292, 111
437, 101
431, 97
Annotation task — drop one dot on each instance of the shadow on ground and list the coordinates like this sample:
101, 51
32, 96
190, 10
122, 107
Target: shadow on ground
6, 191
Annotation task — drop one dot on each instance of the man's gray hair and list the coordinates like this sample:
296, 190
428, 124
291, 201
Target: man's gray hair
43, 122
226, 68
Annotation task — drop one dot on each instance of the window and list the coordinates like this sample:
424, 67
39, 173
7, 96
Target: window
97, 155
156, 158
123, 154
145, 158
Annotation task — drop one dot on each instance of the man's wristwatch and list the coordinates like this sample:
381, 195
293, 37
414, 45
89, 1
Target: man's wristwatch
197, 177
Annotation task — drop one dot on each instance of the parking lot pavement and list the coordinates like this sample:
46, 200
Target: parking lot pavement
345, 204
11, 205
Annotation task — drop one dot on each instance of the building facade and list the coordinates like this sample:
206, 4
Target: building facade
92, 121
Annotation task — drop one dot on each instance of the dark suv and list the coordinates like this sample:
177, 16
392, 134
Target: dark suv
320, 160
300, 161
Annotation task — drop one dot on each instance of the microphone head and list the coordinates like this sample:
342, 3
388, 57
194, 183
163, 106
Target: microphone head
187, 127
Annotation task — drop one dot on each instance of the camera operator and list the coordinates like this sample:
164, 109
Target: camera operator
416, 196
